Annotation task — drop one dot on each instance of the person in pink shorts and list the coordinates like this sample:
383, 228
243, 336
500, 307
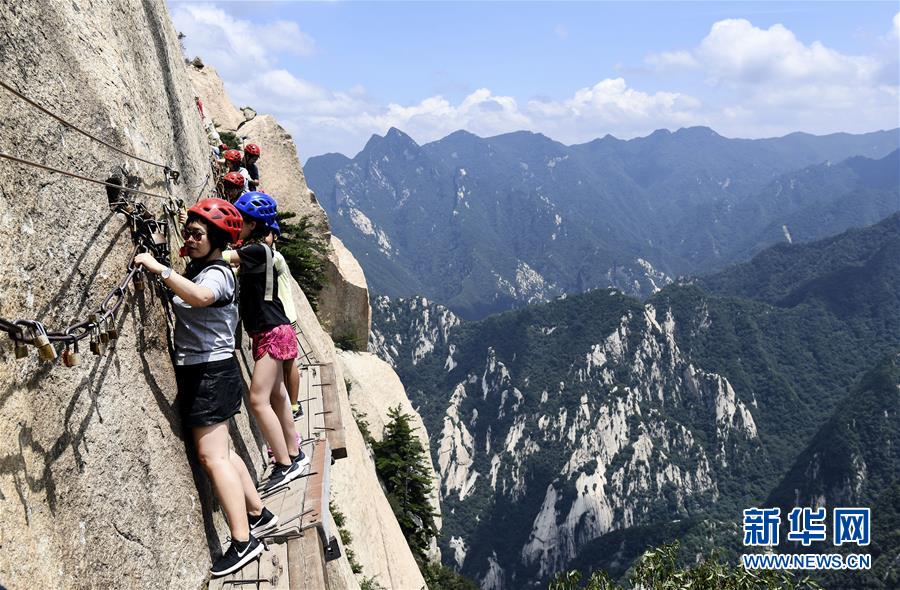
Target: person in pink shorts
273, 338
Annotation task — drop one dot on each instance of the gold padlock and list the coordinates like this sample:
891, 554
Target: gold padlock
21, 349
139, 282
95, 345
104, 337
46, 351
111, 330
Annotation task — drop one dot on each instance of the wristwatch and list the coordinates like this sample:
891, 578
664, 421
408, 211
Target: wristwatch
166, 273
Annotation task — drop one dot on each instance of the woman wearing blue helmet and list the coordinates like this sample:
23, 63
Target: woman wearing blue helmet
273, 338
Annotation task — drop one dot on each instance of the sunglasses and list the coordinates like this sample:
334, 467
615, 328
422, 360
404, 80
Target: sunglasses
192, 234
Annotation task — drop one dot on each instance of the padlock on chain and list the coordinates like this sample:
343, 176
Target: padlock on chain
21, 346
70, 356
97, 347
104, 336
140, 283
111, 329
42, 342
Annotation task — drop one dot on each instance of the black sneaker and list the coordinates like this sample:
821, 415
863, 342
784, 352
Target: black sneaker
298, 412
302, 460
266, 521
281, 476
238, 555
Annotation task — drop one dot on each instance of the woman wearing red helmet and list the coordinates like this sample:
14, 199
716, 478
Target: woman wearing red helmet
234, 162
233, 185
210, 385
251, 156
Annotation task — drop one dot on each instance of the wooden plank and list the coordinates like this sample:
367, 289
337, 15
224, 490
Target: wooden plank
331, 407
306, 566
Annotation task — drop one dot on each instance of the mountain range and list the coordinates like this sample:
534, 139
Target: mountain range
591, 426
484, 225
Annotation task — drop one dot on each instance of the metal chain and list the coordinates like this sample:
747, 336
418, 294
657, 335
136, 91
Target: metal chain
148, 235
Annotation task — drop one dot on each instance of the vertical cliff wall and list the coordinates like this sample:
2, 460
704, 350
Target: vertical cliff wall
96, 486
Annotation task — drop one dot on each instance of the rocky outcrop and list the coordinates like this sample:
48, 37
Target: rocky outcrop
344, 301
562, 424
280, 172
208, 86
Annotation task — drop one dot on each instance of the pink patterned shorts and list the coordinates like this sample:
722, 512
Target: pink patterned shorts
280, 343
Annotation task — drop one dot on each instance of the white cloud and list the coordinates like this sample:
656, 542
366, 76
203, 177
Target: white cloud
610, 106
736, 52
672, 60
233, 44
761, 82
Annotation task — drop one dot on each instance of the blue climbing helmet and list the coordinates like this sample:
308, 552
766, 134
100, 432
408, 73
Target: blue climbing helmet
275, 228
258, 206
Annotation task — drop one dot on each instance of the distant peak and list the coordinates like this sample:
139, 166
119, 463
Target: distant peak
697, 131
393, 132
393, 138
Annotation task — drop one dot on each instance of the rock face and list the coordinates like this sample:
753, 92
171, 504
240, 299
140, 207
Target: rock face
344, 301
96, 488
378, 542
208, 86
93, 473
279, 170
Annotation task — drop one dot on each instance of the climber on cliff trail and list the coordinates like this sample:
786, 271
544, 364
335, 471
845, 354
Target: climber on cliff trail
273, 340
233, 186
210, 385
291, 367
251, 156
234, 162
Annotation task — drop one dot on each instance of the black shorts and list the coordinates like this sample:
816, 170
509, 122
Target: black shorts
209, 393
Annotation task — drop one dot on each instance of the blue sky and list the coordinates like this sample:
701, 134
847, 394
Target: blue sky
334, 73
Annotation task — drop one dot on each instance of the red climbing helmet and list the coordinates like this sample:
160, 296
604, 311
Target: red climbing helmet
221, 214
235, 178
251, 149
233, 156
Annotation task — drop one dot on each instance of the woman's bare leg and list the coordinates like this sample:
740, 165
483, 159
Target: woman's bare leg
213, 452
292, 380
282, 407
251, 496
267, 377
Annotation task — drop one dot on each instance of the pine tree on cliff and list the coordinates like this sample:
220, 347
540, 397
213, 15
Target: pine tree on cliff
401, 463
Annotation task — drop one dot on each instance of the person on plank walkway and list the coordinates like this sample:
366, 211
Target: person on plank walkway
210, 385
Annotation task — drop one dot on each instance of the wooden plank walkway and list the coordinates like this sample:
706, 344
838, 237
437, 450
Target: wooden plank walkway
297, 550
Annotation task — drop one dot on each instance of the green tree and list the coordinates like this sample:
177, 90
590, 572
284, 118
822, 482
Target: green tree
659, 568
305, 254
402, 465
